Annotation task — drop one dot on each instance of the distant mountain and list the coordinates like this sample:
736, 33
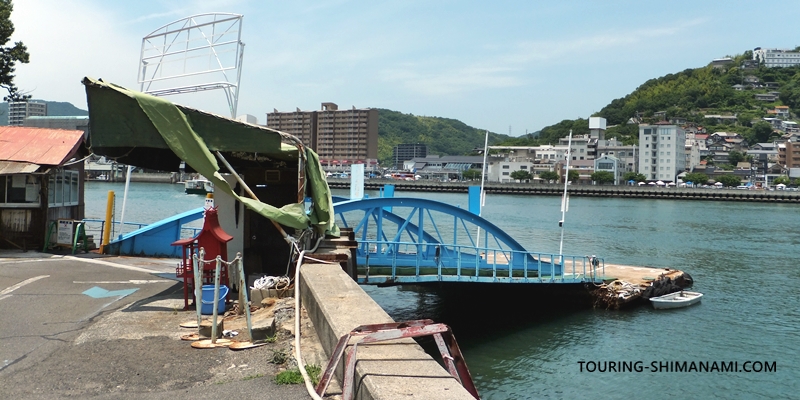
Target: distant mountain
443, 136
54, 109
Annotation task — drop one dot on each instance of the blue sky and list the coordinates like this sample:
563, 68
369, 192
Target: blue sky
505, 66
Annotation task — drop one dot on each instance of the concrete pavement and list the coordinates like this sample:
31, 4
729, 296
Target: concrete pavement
93, 326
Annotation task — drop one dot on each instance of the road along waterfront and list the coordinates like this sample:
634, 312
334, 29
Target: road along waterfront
742, 256
628, 191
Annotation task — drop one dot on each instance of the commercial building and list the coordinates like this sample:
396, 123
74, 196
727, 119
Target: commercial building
662, 149
407, 151
80, 123
776, 57
19, 110
337, 136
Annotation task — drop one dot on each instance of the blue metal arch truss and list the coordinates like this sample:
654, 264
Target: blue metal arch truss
401, 241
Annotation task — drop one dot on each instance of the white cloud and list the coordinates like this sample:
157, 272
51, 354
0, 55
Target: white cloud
68, 42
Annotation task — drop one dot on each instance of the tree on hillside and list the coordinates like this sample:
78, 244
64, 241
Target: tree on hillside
10, 55
762, 131
735, 157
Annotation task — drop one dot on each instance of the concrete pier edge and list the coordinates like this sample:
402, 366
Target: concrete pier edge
385, 370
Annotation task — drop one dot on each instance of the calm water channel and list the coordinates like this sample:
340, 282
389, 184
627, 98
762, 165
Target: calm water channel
743, 257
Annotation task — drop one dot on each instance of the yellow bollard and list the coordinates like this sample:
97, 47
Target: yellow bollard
109, 221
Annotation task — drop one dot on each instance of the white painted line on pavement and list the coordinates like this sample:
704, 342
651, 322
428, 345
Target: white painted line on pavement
5, 292
110, 264
133, 281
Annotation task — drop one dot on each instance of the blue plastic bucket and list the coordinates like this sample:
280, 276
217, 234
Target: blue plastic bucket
207, 307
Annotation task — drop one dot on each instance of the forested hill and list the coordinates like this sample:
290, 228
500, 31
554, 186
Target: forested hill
692, 94
443, 136
54, 109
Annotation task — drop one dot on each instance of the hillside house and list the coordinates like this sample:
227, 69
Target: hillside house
766, 97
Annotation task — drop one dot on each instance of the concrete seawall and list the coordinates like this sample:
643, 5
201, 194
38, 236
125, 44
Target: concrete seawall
385, 370
148, 177
634, 192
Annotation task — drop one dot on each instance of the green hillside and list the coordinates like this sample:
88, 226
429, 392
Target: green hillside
54, 109
692, 94
443, 136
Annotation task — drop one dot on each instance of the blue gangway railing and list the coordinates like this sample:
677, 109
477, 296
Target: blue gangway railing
382, 263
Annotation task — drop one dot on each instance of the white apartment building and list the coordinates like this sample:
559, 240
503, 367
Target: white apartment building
662, 149
776, 57
19, 110
582, 147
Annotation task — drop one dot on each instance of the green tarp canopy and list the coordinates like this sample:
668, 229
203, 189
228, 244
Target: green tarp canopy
146, 131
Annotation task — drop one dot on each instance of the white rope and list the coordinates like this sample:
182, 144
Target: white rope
271, 282
297, 356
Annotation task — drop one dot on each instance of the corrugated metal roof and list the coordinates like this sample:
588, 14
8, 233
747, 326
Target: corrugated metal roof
38, 145
11, 168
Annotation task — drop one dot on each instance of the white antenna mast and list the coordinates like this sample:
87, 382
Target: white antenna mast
565, 197
483, 175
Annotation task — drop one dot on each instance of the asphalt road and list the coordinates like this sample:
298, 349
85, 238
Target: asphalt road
93, 327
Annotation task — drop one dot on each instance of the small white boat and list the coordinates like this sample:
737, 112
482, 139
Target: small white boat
684, 298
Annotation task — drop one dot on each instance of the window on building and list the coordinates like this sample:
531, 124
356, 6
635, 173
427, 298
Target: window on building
523, 167
63, 190
605, 165
505, 166
19, 189
506, 173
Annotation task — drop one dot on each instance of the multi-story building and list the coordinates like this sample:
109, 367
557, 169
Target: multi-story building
341, 136
662, 149
19, 110
583, 147
407, 151
776, 57
626, 155
80, 122
789, 154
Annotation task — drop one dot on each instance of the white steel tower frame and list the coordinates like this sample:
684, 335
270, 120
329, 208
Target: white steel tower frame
197, 53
